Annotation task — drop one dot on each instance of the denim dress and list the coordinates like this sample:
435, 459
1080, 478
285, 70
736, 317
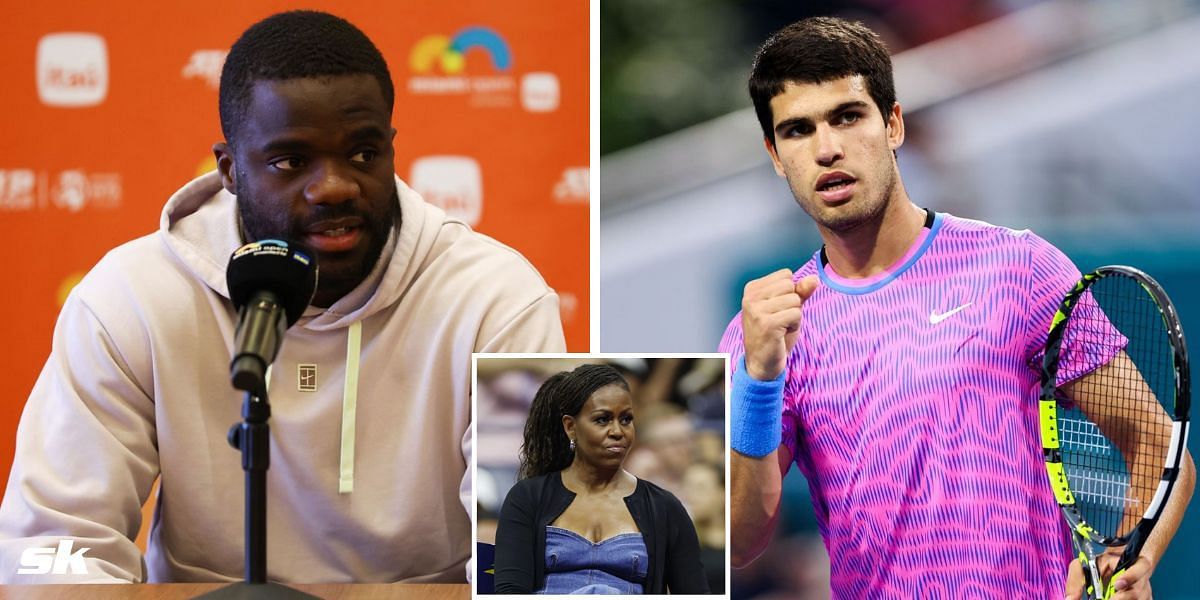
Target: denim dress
575, 565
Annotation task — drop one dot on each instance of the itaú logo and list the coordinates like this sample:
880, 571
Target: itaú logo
449, 54
57, 561
453, 183
72, 69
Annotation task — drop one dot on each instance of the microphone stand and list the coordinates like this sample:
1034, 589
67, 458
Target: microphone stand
253, 437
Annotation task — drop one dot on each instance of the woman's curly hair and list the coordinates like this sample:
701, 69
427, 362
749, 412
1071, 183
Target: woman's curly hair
546, 448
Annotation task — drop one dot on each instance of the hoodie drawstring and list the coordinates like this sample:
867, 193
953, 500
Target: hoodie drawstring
349, 407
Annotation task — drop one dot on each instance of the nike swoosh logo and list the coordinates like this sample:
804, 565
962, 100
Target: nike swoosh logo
935, 318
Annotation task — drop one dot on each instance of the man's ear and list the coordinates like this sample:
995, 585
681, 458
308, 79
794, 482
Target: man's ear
225, 166
770, 145
895, 127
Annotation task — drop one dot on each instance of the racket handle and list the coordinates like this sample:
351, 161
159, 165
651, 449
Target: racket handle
1112, 589
1092, 588
1092, 584
1128, 557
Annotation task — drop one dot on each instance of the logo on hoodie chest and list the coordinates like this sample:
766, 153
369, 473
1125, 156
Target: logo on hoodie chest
306, 378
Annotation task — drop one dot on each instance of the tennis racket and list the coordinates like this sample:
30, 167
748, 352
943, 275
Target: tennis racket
1114, 413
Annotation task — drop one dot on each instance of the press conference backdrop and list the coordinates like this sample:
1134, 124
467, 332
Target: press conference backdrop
108, 108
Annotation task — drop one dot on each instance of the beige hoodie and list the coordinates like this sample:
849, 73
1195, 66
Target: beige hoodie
137, 385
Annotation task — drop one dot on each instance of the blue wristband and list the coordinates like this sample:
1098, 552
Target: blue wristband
756, 413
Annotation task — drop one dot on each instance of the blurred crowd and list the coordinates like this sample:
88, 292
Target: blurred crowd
679, 416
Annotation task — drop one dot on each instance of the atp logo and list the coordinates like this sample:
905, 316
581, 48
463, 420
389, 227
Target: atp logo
205, 65
450, 53
71, 190
573, 187
57, 561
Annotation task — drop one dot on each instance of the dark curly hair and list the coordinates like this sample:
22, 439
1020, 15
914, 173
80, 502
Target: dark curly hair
546, 448
816, 50
292, 45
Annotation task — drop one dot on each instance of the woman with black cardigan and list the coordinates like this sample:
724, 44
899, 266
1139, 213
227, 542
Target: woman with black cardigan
576, 522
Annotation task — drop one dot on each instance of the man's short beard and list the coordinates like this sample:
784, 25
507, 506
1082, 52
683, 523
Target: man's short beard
845, 221
255, 226
381, 230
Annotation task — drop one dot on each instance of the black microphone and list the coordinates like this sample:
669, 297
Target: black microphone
270, 284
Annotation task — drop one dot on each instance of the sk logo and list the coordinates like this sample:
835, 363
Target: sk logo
58, 561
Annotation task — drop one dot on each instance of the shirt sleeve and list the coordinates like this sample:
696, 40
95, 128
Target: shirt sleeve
85, 460
536, 328
1086, 346
515, 542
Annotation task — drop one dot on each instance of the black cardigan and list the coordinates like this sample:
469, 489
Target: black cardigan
534, 503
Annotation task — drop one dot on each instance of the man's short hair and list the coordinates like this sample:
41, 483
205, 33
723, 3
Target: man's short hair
816, 50
293, 45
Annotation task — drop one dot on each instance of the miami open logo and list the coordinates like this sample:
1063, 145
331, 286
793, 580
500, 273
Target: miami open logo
449, 54
476, 62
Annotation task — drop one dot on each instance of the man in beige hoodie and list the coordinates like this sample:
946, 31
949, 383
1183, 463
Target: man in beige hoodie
369, 477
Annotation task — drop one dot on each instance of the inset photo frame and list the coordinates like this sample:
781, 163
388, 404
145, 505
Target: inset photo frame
601, 473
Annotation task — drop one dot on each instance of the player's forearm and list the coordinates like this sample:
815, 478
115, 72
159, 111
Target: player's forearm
754, 492
1168, 523
756, 479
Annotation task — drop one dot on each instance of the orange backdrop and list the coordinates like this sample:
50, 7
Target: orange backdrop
108, 108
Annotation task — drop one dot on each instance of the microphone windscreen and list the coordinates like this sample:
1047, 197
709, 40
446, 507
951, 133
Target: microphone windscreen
274, 266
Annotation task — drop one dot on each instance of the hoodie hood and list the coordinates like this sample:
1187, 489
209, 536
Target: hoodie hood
199, 225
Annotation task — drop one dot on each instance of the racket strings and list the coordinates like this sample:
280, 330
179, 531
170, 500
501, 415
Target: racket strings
1114, 459
1103, 488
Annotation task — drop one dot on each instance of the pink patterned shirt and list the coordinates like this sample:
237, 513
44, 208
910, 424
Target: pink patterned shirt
910, 405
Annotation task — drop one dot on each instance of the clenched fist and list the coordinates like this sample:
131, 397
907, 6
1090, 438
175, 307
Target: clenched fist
771, 321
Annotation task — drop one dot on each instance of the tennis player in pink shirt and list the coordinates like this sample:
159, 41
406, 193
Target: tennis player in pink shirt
898, 368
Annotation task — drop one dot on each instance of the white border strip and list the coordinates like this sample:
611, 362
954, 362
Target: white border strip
594, 187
